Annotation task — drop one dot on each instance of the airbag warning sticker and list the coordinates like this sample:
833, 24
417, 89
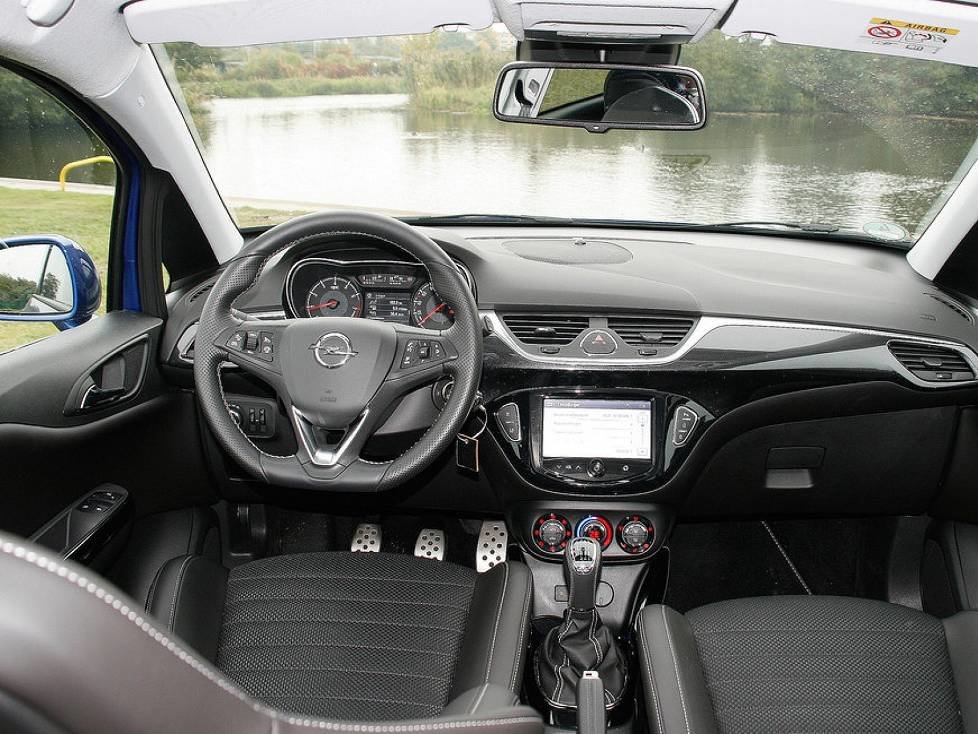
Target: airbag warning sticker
899, 35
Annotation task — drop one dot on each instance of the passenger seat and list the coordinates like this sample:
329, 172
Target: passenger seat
808, 663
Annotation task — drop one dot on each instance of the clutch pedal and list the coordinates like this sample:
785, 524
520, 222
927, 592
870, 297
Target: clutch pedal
366, 538
430, 544
491, 549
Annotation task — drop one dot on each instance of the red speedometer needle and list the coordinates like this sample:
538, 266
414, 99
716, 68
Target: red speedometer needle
331, 303
431, 313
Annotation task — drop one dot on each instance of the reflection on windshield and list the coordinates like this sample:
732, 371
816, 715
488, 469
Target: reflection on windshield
404, 126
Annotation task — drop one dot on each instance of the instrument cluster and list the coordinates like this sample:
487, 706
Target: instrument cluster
385, 291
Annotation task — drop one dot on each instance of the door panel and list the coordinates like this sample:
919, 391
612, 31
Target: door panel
146, 441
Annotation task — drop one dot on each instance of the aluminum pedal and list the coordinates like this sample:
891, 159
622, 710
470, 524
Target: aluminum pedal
430, 544
491, 549
366, 538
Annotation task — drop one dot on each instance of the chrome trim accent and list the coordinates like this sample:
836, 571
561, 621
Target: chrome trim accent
707, 324
320, 456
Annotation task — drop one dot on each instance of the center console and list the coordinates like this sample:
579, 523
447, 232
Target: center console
597, 441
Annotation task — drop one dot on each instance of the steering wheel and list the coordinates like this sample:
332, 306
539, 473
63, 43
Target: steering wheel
339, 378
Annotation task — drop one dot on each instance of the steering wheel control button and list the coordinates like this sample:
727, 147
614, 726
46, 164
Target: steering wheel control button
551, 532
419, 352
597, 528
596, 468
508, 418
684, 422
635, 534
598, 341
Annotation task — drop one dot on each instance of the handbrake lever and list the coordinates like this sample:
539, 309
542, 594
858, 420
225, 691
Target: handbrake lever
590, 704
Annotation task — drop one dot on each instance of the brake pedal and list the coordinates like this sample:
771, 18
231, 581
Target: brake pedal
491, 550
366, 538
430, 544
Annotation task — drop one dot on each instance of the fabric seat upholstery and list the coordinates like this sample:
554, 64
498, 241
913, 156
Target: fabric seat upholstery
353, 636
808, 664
81, 657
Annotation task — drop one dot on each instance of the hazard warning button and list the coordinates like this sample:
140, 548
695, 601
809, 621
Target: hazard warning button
598, 341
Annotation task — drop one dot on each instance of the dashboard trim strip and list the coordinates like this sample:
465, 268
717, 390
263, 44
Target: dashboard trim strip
707, 324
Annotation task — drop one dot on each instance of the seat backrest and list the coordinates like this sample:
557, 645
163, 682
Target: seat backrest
77, 655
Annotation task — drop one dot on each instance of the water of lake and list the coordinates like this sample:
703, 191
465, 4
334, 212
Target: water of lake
373, 151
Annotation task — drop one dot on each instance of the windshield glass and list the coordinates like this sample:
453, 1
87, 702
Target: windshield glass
864, 144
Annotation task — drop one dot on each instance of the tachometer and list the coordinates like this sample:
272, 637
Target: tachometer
429, 311
336, 296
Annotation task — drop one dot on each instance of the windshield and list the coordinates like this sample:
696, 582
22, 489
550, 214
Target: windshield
855, 143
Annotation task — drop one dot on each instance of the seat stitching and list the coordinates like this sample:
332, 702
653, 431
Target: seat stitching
73, 578
814, 630
386, 623
314, 669
478, 700
643, 636
358, 599
177, 593
523, 625
358, 646
675, 666
499, 614
237, 578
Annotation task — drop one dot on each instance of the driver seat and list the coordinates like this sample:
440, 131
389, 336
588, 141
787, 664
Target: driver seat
280, 644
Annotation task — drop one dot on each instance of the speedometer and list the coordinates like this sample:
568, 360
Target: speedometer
429, 311
336, 296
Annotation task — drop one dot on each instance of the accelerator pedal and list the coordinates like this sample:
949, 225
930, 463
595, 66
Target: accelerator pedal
430, 544
366, 538
491, 548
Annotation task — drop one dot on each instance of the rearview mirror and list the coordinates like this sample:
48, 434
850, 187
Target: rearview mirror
601, 97
47, 278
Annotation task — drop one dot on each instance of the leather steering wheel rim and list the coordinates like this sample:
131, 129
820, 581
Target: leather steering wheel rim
370, 351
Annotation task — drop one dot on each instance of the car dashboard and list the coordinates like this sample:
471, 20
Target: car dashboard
627, 377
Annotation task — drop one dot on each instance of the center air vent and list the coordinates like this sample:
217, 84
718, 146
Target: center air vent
551, 329
931, 362
664, 331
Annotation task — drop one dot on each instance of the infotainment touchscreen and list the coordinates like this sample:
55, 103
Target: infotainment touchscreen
605, 429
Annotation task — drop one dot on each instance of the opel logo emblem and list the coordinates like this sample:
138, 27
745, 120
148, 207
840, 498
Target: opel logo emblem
332, 350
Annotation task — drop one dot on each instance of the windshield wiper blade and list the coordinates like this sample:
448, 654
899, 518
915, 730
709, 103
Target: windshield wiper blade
761, 224
485, 219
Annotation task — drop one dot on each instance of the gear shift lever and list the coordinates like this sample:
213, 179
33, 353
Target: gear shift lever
581, 642
582, 566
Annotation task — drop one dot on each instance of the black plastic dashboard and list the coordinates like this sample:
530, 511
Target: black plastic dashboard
714, 330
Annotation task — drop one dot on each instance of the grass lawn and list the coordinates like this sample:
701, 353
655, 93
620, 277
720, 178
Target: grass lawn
85, 218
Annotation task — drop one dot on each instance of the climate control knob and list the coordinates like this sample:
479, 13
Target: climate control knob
635, 534
596, 528
551, 532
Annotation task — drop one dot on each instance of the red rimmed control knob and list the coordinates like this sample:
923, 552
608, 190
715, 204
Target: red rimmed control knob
635, 534
551, 532
597, 528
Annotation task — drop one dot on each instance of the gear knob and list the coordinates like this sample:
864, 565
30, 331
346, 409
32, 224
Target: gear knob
582, 564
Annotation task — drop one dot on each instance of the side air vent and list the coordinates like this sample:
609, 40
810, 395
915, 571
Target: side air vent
931, 362
954, 306
545, 329
200, 292
664, 331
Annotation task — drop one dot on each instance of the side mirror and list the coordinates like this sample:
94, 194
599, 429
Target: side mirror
47, 278
601, 97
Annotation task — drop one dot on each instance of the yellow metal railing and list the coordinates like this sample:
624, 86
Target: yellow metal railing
69, 167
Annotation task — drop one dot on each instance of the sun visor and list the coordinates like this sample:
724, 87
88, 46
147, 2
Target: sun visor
248, 22
919, 29
632, 21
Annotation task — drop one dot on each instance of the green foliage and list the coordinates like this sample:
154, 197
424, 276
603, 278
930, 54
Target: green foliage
750, 77
15, 293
